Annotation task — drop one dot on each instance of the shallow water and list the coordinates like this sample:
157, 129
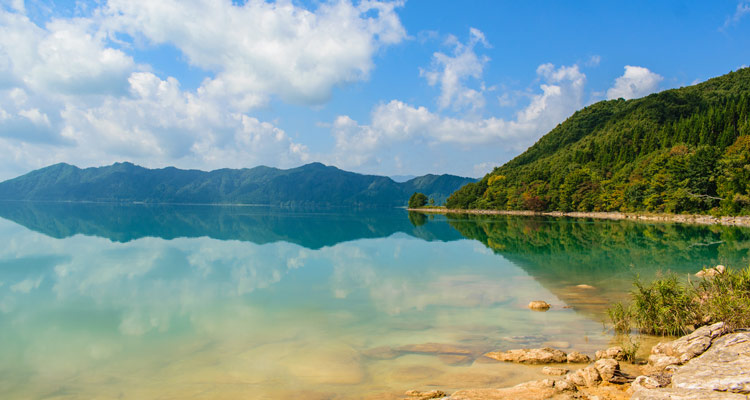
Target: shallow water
182, 302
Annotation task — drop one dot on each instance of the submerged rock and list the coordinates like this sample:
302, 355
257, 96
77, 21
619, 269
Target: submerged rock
534, 390
554, 371
544, 355
539, 305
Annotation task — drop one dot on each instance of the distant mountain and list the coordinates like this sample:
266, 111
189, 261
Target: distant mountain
313, 185
402, 178
680, 150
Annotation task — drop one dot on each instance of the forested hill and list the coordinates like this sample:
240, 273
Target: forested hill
680, 150
312, 185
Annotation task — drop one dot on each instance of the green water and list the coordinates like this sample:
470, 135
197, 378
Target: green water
198, 302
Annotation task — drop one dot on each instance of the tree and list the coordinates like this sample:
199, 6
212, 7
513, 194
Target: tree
417, 200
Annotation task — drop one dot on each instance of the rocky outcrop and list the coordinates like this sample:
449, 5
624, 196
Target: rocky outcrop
544, 355
725, 367
679, 351
702, 365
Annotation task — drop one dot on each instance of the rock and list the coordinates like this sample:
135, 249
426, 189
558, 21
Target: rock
578, 358
685, 348
539, 305
432, 394
534, 390
607, 368
724, 367
645, 382
588, 376
616, 353
660, 362
707, 273
544, 355
554, 371
565, 386
584, 287
381, 353
454, 359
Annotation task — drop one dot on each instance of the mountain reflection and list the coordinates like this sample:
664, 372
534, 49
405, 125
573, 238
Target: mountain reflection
312, 229
563, 253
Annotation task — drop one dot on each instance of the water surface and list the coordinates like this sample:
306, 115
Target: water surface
175, 302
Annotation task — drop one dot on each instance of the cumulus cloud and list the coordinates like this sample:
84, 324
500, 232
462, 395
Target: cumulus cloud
397, 122
635, 82
67, 95
261, 49
68, 57
450, 72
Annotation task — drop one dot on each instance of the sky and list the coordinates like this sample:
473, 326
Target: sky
385, 87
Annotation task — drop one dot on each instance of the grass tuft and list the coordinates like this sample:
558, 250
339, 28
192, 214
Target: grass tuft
668, 306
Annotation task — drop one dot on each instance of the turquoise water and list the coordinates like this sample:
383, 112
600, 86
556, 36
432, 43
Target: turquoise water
176, 302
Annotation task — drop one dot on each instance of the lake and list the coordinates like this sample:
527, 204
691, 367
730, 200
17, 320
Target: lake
217, 302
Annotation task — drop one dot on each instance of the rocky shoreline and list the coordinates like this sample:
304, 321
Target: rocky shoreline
678, 218
710, 363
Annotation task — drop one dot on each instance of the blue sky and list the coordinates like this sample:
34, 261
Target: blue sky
384, 87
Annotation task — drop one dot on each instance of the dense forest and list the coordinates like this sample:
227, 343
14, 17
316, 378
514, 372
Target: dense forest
683, 150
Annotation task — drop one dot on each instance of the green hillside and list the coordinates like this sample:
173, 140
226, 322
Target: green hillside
313, 185
680, 150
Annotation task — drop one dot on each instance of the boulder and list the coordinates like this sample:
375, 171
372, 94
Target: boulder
707, 273
607, 368
584, 377
578, 358
616, 353
539, 305
544, 355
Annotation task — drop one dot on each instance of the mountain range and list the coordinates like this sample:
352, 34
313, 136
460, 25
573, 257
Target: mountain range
311, 185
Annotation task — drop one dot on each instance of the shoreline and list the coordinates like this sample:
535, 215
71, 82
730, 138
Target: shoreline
697, 219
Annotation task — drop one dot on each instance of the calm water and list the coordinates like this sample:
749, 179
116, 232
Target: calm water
193, 302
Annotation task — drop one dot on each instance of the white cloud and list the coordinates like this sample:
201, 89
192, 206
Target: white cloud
450, 72
160, 121
634, 83
261, 49
66, 57
743, 9
398, 122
